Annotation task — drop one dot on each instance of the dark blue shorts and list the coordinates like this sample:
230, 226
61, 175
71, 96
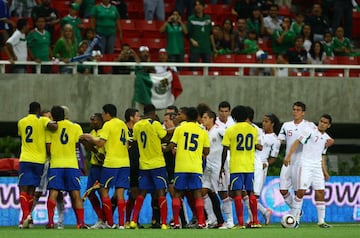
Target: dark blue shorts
153, 179
65, 179
242, 181
94, 174
115, 177
187, 181
30, 173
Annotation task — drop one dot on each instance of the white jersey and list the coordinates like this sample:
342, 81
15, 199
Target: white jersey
18, 42
313, 142
289, 133
213, 159
271, 147
230, 121
260, 141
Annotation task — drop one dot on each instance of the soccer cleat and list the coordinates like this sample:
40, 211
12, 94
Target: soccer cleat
201, 226
177, 226
60, 226
256, 225
26, 222
267, 216
50, 226
82, 226
127, 225
133, 225
121, 227
211, 224
107, 226
100, 224
230, 225
193, 223
222, 226
324, 225
20, 226
164, 227
239, 227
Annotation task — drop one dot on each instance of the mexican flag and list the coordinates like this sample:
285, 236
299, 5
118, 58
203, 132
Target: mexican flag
158, 89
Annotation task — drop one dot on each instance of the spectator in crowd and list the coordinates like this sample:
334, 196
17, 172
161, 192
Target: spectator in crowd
283, 39
126, 55
66, 47
260, 59
16, 46
243, 8
89, 35
6, 25
297, 54
185, 6
343, 10
298, 24
256, 22
250, 43
284, 3
327, 44
199, 28
175, 30
39, 44
74, 21
21, 8
163, 58
86, 8
316, 55
228, 41
51, 15
318, 22
240, 35
273, 21
96, 56
223, 1
282, 72
217, 41
154, 8
341, 44
121, 7
104, 20
307, 34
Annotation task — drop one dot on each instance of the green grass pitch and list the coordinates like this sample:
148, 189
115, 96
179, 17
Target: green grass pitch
342, 230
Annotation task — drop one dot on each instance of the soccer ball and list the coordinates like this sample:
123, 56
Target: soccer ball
289, 221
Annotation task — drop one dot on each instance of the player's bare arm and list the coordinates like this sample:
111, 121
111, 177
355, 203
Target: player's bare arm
324, 168
287, 159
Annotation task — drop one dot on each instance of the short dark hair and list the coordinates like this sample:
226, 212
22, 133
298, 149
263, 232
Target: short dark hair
239, 113
149, 108
202, 108
300, 104
21, 23
224, 104
173, 107
58, 113
98, 116
327, 116
201, 2
111, 109
191, 114
211, 115
130, 112
34, 108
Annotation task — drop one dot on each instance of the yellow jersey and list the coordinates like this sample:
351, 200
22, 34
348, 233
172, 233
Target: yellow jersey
101, 150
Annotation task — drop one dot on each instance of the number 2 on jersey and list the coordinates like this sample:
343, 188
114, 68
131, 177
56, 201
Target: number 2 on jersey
28, 132
244, 142
191, 142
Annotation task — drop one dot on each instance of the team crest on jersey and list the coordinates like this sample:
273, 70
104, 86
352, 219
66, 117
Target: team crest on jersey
162, 86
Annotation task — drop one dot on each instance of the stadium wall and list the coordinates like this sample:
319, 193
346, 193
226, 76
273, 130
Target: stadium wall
342, 199
84, 95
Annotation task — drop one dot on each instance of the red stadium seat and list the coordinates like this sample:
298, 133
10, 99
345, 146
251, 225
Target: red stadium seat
224, 59
348, 60
191, 73
154, 44
245, 59
134, 42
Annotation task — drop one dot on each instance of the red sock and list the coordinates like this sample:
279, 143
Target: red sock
95, 203
51, 204
239, 207
106, 202
138, 204
31, 202
121, 210
163, 209
129, 208
199, 206
79, 212
253, 208
24, 204
191, 201
176, 204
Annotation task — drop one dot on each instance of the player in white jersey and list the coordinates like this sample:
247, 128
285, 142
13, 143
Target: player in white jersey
211, 183
289, 132
265, 157
224, 120
312, 169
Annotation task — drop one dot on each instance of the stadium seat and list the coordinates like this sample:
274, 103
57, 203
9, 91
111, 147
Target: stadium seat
284, 11
191, 73
134, 42
271, 59
129, 29
300, 74
348, 60
154, 44
229, 58
249, 59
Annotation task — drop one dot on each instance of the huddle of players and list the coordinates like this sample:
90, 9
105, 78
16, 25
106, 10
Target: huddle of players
189, 142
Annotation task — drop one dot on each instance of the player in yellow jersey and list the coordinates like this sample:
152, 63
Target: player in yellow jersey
241, 139
64, 173
191, 142
152, 175
32, 158
115, 172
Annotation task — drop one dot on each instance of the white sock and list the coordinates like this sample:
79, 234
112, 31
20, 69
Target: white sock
209, 209
227, 210
260, 207
296, 209
247, 205
60, 206
288, 199
320, 207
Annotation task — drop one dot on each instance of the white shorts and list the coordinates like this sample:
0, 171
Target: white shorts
44, 180
259, 177
210, 180
295, 177
285, 177
311, 175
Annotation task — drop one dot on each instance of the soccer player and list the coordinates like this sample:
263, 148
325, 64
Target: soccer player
152, 175
64, 173
114, 137
241, 139
191, 142
312, 168
266, 157
32, 158
96, 162
224, 120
